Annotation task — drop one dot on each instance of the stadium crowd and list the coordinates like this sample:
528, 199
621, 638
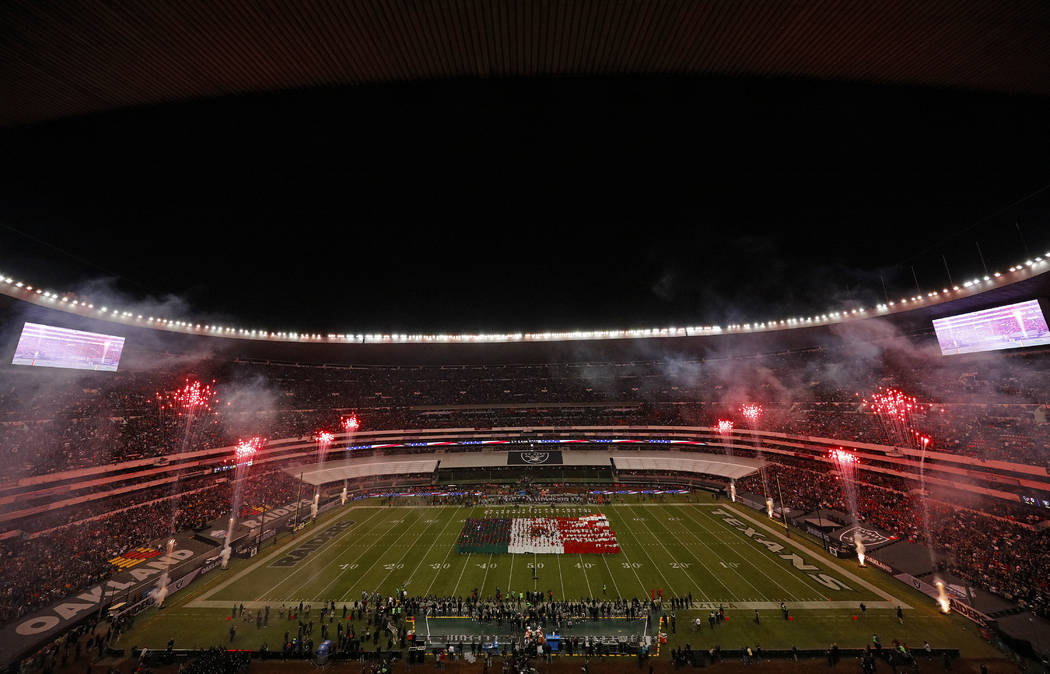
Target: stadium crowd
995, 412
1005, 555
53, 562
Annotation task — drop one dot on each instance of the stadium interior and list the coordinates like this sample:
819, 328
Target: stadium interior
95, 467
524, 336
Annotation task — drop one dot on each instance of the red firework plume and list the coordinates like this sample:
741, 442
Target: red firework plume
323, 438
751, 412
724, 426
895, 410
841, 456
246, 449
190, 399
350, 423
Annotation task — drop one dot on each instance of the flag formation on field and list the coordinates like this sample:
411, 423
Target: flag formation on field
589, 534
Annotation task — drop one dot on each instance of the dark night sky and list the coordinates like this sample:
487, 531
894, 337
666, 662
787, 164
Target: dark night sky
528, 204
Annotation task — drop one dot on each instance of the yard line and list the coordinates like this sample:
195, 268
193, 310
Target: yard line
616, 586
461, 575
729, 545
365, 572
631, 567
438, 571
669, 586
562, 580
747, 559
488, 565
510, 576
585, 578
349, 531
339, 575
836, 568
431, 548
672, 557
264, 560
394, 566
704, 595
791, 574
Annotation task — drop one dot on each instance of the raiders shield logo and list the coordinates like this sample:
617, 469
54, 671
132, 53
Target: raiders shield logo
535, 457
869, 537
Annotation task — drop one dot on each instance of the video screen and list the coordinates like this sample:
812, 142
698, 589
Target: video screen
48, 346
1006, 327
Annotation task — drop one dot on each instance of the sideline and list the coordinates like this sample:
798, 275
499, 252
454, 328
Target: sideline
891, 601
200, 602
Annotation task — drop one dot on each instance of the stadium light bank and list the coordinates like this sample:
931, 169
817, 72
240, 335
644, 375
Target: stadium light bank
71, 303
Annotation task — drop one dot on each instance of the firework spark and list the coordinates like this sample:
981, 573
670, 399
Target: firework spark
847, 463
724, 426
350, 423
190, 399
246, 449
751, 412
896, 410
840, 455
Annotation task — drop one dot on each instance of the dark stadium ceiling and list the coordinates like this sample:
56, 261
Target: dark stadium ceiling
69, 58
491, 166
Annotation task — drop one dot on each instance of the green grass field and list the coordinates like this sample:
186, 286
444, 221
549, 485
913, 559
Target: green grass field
721, 553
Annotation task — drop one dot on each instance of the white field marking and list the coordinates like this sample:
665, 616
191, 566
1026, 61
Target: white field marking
612, 575
645, 590
585, 578
437, 572
461, 575
688, 578
729, 606
323, 568
393, 568
430, 549
372, 565
561, 579
642, 546
510, 575
488, 565
699, 590
754, 566
835, 568
338, 575
732, 548
268, 558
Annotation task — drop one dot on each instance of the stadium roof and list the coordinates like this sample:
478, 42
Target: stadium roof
70, 58
18, 304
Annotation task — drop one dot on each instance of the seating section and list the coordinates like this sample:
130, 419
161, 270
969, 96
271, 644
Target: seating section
996, 408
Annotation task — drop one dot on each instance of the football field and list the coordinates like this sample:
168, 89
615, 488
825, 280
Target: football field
720, 553
717, 554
